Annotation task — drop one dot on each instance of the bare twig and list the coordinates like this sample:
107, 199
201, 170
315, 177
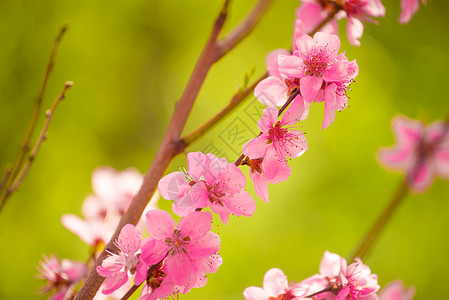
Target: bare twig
25, 147
245, 27
130, 292
43, 135
236, 100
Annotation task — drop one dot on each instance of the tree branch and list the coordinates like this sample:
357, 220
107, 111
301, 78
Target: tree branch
43, 135
12, 174
243, 29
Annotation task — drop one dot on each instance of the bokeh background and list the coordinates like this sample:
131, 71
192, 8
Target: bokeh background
130, 61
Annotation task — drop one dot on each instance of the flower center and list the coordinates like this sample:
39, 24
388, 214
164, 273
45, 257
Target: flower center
316, 63
177, 243
216, 192
276, 134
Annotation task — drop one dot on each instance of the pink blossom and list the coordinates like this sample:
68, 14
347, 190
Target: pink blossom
308, 15
409, 8
60, 275
267, 154
339, 281
113, 192
275, 286
420, 151
117, 267
359, 11
312, 12
160, 284
209, 181
395, 291
277, 139
261, 178
186, 247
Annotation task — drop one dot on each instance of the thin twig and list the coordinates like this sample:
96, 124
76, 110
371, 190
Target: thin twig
236, 100
43, 135
242, 30
34, 117
371, 237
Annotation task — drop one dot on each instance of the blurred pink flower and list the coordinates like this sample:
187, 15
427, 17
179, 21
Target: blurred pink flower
117, 267
275, 286
395, 291
60, 275
409, 8
415, 141
209, 181
113, 192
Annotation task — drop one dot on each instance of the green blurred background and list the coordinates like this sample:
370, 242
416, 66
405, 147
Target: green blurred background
130, 61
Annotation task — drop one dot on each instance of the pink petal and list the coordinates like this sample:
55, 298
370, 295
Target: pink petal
409, 8
297, 145
291, 66
255, 293
260, 185
268, 119
208, 244
114, 282
223, 212
310, 86
354, 30
159, 224
329, 42
330, 105
241, 204
422, 176
441, 155
283, 172
153, 251
395, 291
272, 164
294, 112
271, 91
79, 227
184, 211
256, 147
141, 273
173, 186
129, 239
215, 167
272, 61
337, 72
304, 44
196, 162
275, 282
331, 264
195, 225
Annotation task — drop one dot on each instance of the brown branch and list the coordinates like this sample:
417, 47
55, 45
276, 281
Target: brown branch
34, 118
43, 135
242, 30
235, 100
130, 292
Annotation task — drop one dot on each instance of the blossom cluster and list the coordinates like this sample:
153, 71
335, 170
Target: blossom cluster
336, 280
